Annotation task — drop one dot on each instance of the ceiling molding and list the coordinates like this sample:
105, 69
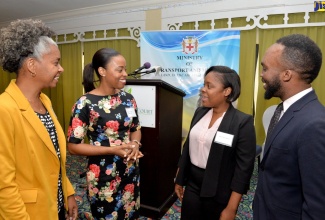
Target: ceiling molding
117, 8
121, 7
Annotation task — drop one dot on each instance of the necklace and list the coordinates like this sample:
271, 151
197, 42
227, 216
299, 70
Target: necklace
37, 105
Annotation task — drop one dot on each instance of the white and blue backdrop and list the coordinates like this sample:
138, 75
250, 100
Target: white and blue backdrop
184, 56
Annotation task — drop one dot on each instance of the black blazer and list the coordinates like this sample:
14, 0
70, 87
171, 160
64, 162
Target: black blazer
228, 168
292, 172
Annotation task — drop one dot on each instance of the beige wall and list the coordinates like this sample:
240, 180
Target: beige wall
153, 20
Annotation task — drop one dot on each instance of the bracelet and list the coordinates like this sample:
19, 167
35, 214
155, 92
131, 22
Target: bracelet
138, 142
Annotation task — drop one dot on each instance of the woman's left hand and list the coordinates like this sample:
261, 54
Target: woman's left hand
134, 152
73, 209
228, 214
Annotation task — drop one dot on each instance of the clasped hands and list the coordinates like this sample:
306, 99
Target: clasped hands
131, 151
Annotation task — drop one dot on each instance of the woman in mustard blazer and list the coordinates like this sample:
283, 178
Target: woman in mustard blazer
33, 180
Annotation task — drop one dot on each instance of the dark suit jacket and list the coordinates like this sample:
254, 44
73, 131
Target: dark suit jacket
228, 168
291, 183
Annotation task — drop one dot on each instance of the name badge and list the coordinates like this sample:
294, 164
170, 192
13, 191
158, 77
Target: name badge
130, 112
224, 138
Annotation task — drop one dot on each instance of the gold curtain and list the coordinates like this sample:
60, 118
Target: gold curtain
5, 78
127, 47
267, 38
69, 87
247, 66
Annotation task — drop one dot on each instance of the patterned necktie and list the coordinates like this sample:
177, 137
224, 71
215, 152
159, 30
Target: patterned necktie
275, 118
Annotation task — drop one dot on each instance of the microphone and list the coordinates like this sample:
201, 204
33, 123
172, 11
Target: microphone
146, 65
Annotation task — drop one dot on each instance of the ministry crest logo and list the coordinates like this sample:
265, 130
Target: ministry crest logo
190, 45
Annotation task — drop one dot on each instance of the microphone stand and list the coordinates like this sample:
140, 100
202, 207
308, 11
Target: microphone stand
134, 75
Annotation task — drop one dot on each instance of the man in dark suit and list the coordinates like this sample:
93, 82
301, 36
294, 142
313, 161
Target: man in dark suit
292, 173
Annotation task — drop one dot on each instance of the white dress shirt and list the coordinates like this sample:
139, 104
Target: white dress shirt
287, 103
201, 137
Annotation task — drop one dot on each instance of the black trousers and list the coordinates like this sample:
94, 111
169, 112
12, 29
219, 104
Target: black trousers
196, 207
62, 213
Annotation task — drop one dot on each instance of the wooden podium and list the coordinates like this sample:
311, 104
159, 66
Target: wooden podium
161, 147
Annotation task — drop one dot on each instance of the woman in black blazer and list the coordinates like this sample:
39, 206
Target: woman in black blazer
218, 156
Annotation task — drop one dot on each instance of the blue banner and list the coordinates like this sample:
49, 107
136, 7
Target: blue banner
184, 56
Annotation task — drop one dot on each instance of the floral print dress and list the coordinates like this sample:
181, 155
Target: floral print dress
113, 183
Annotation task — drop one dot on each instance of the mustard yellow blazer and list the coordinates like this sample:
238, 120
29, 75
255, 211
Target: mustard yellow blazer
29, 165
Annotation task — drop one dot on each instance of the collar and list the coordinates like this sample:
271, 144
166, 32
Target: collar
288, 102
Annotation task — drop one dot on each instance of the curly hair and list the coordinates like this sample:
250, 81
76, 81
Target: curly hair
21, 39
302, 55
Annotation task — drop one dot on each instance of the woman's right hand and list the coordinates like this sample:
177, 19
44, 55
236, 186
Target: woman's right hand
121, 150
179, 190
125, 150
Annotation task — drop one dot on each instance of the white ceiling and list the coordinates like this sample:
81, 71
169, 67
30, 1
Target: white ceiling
18, 9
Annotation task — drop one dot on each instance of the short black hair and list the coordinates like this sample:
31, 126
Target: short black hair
229, 78
302, 55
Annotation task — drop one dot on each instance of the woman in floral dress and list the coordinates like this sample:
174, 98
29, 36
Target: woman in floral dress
108, 117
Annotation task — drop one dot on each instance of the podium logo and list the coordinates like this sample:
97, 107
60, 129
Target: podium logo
145, 111
319, 5
190, 45
129, 90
